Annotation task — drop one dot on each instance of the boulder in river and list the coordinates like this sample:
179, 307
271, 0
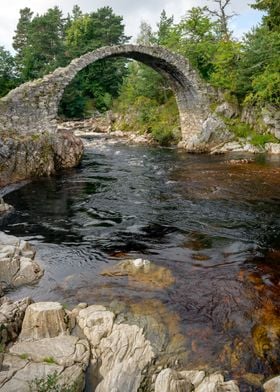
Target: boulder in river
18, 264
272, 385
170, 380
142, 272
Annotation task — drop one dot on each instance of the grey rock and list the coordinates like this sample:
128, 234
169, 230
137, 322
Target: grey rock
20, 375
11, 317
34, 155
18, 263
227, 110
272, 385
44, 320
63, 350
272, 148
120, 352
170, 380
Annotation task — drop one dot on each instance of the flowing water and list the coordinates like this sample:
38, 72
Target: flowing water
211, 227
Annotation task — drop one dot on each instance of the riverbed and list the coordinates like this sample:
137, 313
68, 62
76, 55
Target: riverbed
212, 223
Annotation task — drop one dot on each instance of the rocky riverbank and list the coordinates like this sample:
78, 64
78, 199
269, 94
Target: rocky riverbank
119, 347
103, 125
217, 138
35, 155
93, 345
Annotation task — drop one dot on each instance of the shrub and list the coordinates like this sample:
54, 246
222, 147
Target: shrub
50, 384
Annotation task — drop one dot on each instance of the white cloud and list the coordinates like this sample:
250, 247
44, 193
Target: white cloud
132, 11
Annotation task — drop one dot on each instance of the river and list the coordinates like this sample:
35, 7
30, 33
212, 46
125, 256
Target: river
211, 224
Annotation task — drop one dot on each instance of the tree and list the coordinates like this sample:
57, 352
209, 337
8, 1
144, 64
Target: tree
20, 39
8, 79
197, 40
76, 12
258, 69
272, 7
91, 31
225, 66
145, 36
100, 82
164, 28
222, 17
39, 43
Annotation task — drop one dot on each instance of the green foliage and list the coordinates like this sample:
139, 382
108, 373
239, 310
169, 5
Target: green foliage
225, 65
20, 39
23, 356
244, 131
195, 38
101, 81
39, 43
164, 136
49, 360
73, 103
258, 139
147, 105
91, 31
239, 128
272, 7
164, 29
8, 78
258, 69
49, 384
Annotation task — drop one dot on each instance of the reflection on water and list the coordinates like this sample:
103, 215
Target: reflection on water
211, 228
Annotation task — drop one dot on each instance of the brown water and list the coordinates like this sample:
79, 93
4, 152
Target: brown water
211, 228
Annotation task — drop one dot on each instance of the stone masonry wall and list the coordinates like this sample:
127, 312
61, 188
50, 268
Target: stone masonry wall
33, 106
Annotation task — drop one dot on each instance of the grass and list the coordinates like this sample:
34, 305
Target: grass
245, 131
49, 360
49, 384
24, 356
261, 139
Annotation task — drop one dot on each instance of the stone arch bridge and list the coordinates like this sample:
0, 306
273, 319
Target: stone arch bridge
32, 107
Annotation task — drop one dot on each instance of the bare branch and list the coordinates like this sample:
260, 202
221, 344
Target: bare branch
222, 16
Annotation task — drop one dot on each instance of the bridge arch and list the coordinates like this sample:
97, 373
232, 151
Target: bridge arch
33, 106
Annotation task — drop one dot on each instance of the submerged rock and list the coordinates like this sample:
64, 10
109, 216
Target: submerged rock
143, 272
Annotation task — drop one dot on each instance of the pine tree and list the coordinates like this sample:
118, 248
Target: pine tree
20, 39
164, 27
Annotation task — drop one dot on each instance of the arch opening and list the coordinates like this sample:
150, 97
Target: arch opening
139, 97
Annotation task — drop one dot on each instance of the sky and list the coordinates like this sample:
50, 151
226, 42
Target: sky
133, 12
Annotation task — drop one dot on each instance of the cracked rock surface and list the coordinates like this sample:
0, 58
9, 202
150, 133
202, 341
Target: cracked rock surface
18, 263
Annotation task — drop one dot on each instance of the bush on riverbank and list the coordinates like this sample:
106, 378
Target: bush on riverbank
147, 105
